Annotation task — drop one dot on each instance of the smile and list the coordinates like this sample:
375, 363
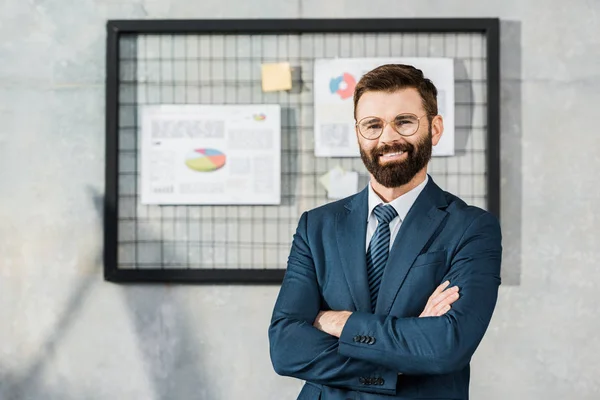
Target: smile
391, 156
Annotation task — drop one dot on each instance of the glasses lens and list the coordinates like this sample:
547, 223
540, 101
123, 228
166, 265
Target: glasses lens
406, 124
370, 127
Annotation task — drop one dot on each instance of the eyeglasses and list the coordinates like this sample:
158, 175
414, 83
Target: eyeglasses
371, 128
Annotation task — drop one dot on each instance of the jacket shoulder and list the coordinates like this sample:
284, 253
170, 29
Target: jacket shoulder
459, 210
333, 208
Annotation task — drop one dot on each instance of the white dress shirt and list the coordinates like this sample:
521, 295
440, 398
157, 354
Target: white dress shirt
402, 205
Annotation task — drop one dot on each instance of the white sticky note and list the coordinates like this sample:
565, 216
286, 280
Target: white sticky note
276, 76
340, 183
324, 180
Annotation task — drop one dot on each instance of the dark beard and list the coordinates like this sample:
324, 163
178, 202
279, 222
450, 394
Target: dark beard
394, 174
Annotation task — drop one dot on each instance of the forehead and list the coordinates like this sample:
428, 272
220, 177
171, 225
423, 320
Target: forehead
389, 104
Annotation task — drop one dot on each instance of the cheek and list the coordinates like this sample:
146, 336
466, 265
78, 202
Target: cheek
366, 145
368, 148
417, 139
414, 142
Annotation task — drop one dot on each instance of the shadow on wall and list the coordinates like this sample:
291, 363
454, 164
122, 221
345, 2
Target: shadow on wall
510, 141
29, 384
165, 340
511, 164
463, 95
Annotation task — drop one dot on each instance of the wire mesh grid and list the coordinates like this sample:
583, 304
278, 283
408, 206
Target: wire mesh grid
225, 69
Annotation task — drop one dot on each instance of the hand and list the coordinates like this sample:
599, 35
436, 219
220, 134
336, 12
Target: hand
439, 302
332, 322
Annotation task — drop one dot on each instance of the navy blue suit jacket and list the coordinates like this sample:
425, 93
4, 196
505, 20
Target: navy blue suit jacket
440, 239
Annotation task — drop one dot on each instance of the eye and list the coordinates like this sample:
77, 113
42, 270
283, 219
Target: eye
372, 124
404, 121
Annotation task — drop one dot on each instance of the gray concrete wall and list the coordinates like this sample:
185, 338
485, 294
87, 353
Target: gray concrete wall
66, 334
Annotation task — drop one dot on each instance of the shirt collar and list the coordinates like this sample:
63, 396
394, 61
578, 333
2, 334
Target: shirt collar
402, 204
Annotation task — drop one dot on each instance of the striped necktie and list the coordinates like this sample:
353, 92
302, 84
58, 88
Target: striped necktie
379, 249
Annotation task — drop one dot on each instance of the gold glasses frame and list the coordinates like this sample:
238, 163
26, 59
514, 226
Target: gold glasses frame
385, 123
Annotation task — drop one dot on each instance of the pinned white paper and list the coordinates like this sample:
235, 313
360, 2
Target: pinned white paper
211, 154
340, 183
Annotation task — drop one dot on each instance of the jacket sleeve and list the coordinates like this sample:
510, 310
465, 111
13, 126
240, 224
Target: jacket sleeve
302, 351
438, 345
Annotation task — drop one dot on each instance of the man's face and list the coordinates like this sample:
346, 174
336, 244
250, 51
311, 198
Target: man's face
394, 160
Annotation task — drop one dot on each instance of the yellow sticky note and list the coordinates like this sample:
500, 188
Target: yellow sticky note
276, 76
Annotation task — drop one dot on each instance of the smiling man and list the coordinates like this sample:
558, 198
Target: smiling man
388, 293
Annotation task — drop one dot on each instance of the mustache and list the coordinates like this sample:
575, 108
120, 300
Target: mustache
392, 148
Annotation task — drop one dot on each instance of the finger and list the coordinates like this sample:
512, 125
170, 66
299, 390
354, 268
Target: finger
439, 289
427, 310
433, 311
432, 306
318, 318
448, 299
442, 296
446, 302
443, 311
437, 297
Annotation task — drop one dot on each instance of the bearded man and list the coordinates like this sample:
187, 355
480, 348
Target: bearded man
388, 293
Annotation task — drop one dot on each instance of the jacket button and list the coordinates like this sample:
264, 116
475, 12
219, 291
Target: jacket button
362, 380
356, 338
380, 381
371, 340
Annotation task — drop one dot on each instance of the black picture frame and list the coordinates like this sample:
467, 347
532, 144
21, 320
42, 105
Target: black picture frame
489, 27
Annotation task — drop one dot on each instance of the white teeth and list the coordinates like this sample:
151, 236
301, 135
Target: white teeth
393, 154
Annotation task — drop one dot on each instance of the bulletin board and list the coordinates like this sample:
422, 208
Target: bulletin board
153, 62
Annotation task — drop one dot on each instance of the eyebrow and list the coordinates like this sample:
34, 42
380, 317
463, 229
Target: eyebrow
371, 119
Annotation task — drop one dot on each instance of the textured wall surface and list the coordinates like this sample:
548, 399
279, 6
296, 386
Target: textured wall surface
66, 334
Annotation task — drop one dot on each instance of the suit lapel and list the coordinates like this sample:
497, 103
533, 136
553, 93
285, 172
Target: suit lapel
351, 231
418, 227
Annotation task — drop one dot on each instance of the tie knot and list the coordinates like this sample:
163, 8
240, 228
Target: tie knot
385, 213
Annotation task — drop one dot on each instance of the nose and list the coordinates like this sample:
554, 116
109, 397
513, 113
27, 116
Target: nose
389, 134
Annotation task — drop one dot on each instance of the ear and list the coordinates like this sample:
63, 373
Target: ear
437, 129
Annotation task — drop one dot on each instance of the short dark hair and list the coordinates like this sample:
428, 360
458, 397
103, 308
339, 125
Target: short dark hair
391, 77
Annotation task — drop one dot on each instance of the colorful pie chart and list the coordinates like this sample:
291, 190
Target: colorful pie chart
205, 160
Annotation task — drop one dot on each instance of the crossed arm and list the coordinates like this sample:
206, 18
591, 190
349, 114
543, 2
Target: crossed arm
438, 304
441, 344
